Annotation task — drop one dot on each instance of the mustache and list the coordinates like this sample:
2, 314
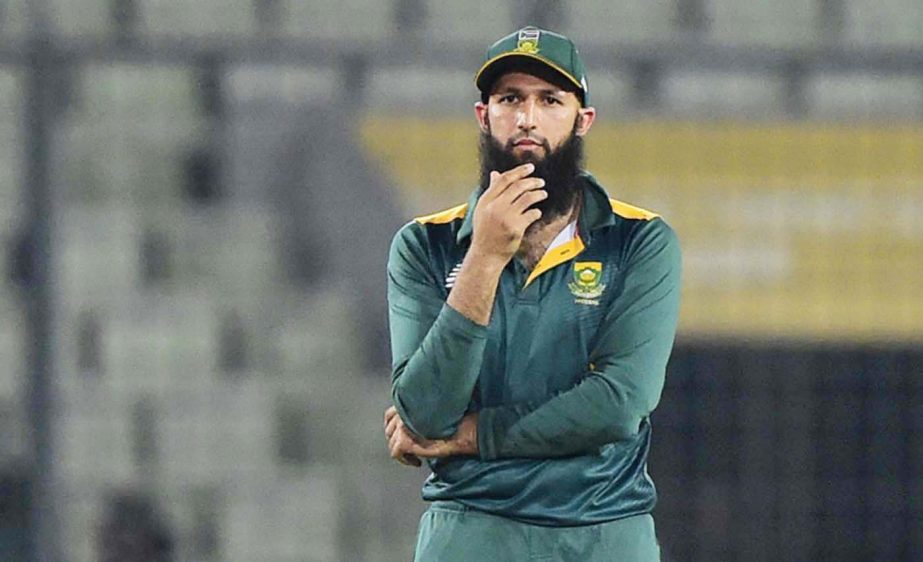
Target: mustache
560, 168
511, 143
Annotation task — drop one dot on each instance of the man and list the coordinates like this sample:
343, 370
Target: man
530, 332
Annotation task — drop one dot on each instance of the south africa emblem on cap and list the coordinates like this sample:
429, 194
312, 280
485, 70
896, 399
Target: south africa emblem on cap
528, 41
587, 285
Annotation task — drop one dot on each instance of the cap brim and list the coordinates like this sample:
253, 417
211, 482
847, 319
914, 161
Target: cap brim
490, 69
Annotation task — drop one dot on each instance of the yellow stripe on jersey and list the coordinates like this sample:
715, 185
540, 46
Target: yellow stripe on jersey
443, 217
630, 211
556, 256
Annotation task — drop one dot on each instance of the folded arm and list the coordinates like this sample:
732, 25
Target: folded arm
437, 351
438, 347
626, 378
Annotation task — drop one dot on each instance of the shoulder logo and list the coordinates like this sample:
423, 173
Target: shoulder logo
528, 42
587, 284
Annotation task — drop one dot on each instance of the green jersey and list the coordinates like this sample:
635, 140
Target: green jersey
565, 376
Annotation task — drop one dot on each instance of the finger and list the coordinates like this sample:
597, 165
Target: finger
398, 451
406, 459
394, 439
528, 199
518, 172
393, 426
399, 444
429, 450
390, 413
395, 448
411, 460
522, 186
501, 181
401, 440
530, 216
389, 428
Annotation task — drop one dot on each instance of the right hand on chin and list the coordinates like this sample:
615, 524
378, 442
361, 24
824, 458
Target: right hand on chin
503, 212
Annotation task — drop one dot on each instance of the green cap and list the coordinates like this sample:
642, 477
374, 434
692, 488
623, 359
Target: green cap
533, 44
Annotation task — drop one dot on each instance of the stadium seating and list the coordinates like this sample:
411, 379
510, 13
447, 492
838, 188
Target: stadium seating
422, 91
231, 251
253, 384
163, 346
254, 83
221, 432
439, 94
14, 22
135, 94
308, 343
128, 133
213, 431
895, 23
780, 24
736, 95
80, 515
472, 24
266, 106
202, 18
94, 444
101, 261
348, 22
81, 18
10, 148
11, 352
97, 253
611, 93
597, 23
199, 510
864, 96
271, 520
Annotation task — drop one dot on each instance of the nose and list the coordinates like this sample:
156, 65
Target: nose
525, 119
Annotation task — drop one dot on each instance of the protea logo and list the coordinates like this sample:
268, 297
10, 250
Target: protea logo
528, 41
587, 281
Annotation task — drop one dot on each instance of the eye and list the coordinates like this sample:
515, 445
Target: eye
551, 100
507, 98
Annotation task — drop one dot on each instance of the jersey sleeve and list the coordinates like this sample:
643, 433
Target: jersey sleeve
626, 378
436, 351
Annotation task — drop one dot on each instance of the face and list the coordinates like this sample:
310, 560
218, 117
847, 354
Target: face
531, 116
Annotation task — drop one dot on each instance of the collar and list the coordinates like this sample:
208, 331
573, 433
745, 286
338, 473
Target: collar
566, 235
596, 211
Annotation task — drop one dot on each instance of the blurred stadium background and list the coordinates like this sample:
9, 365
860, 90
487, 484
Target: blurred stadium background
196, 199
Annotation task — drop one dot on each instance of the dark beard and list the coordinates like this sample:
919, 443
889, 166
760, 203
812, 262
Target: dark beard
559, 168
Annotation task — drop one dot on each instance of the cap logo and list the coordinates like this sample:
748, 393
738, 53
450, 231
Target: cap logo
528, 41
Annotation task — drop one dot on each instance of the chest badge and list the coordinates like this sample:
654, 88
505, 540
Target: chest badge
587, 284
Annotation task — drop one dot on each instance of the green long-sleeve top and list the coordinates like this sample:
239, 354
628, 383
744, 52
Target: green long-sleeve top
565, 375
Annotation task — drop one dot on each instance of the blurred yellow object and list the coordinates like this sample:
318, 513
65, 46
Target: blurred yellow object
790, 231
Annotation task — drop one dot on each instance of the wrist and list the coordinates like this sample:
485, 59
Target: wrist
484, 262
466, 438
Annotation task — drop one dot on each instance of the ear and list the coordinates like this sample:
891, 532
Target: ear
585, 118
480, 112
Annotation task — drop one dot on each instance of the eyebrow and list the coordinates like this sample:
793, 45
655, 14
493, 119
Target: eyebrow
519, 92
